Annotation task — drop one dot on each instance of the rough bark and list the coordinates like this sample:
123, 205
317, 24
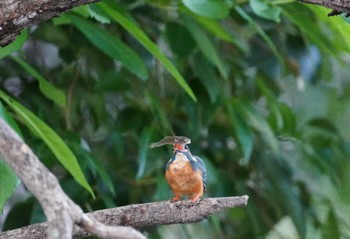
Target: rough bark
61, 212
16, 15
337, 6
142, 216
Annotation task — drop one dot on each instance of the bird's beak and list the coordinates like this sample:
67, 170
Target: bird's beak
179, 147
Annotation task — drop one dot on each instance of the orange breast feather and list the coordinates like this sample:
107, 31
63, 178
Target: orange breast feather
183, 180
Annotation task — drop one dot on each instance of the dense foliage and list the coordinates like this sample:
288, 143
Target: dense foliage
261, 87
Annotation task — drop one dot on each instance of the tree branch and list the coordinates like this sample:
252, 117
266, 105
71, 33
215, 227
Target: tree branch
142, 215
16, 15
338, 6
61, 212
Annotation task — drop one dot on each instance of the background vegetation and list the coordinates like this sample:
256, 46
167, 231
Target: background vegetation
261, 87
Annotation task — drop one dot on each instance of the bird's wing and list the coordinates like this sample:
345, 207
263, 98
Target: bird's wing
203, 169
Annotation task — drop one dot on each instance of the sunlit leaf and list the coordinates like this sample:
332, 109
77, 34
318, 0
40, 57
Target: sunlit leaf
137, 32
51, 139
47, 88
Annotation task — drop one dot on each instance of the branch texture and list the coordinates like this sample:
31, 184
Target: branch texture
142, 215
61, 212
16, 15
338, 6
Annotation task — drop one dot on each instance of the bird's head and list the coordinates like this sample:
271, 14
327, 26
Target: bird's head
180, 147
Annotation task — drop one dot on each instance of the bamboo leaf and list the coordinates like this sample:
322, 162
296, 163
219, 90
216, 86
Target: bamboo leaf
112, 46
51, 139
47, 88
8, 183
144, 40
14, 46
216, 9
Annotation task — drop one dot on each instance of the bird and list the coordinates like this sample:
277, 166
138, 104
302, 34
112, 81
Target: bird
186, 174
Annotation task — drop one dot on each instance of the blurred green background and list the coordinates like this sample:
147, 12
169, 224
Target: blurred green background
260, 86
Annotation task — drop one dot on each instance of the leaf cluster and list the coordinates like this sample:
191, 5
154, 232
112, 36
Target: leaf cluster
260, 87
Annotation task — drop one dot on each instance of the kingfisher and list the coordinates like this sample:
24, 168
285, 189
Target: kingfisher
186, 174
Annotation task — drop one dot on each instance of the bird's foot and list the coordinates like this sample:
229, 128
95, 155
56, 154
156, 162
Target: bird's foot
196, 199
175, 199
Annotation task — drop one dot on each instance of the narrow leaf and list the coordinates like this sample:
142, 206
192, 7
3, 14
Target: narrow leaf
47, 88
111, 45
219, 31
263, 35
82, 150
8, 183
9, 120
14, 46
243, 134
137, 32
143, 146
266, 10
205, 45
51, 139
216, 9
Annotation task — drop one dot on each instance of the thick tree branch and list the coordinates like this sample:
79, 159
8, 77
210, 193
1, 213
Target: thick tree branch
142, 215
61, 212
338, 6
16, 15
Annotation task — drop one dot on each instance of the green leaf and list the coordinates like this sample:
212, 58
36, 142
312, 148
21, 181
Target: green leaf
331, 37
179, 39
98, 14
216, 9
14, 46
158, 112
48, 89
263, 9
263, 35
137, 32
257, 122
243, 134
9, 120
83, 152
331, 227
207, 74
111, 45
8, 183
143, 149
219, 31
20, 214
51, 139
205, 45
